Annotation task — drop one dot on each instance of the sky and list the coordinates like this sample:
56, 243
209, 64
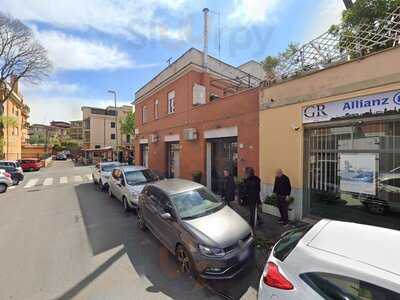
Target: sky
100, 45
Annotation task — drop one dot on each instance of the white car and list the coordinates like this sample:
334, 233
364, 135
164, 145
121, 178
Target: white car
336, 261
5, 181
127, 182
102, 173
12, 163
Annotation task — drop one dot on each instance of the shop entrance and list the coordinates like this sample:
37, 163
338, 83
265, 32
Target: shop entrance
352, 172
222, 154
173, 157
144, 155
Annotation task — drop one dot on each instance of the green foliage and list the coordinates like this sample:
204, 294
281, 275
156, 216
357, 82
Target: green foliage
363, 14
271, 63
128, 124
36, 139
273, 200
8, 121
197, 176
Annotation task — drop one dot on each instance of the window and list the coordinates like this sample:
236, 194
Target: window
156, 109
112, 124
113, 136
144, 114
332, 286
128, 138
171, 102
97, 146
286, 245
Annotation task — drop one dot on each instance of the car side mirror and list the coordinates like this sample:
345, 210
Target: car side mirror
122, 182
166, 216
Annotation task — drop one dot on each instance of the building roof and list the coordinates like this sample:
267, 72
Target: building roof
194, 57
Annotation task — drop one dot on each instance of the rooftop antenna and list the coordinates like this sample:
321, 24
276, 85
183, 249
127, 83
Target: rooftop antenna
169, 61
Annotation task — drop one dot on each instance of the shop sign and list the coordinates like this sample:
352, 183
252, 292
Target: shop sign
366, 105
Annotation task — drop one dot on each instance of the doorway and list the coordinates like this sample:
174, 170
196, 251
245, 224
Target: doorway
144, 155
173, 159
221, 154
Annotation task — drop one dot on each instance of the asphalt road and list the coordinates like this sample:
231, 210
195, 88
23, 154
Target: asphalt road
62, 238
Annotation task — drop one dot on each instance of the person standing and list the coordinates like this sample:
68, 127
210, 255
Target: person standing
252, 194
282, 190
228, 188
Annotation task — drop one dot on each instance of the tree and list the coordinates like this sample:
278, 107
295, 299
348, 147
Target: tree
21, 56
128, 124
360, 24
271, 63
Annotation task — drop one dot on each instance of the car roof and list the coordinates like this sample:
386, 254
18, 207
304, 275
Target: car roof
176, 185
8, 161
132, 168
370, 245
109, 163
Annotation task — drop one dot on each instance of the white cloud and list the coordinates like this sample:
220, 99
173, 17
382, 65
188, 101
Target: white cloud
128, 18
53, 86
251, 12
71, 53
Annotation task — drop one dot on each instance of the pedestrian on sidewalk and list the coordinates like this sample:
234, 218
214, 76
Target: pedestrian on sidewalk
252, 194
228, 188
282, 190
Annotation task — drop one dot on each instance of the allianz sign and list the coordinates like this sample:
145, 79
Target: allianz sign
373, 104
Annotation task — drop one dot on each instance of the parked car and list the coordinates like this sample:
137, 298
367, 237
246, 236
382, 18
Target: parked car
102, 173
61, 156
333, 260
16, 174
5, 181
127, 182
208, 238
11, 163
30, 164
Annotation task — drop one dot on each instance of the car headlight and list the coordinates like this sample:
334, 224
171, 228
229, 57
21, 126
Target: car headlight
210, 251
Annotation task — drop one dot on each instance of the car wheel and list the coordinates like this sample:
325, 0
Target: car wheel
125, 204
376, 209
140, 220
15, 181
106, 187
94, 180
184, 261
3, 188
100, 183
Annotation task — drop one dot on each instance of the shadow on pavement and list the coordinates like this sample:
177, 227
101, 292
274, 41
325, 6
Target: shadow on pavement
107, 227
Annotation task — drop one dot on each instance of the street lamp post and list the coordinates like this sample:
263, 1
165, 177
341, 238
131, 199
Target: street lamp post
116, 118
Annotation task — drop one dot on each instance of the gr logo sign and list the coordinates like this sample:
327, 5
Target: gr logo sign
315, 111
396, 99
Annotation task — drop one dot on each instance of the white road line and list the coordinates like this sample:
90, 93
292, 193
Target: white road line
89, 176
48, 181
78, 178
63, 180
12, 187
31, 183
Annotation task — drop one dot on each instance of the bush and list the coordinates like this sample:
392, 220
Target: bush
196, 176
273, 200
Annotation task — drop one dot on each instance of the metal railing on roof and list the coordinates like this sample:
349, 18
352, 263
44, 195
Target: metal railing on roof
340, 44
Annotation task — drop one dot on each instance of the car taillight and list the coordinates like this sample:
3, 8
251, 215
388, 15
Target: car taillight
7, 174
274, 278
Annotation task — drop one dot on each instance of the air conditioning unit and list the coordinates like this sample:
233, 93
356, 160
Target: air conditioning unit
154, 138
190, 134
136, 131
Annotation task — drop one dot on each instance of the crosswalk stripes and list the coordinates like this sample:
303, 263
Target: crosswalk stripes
31, 183
89, 176
48, 181
63, 180
78, 178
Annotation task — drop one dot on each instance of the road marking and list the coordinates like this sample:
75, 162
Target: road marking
78, 178
89, 176
48, 181
12, 187
31, 183
63, 180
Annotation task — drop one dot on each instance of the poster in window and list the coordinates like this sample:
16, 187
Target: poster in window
358, 173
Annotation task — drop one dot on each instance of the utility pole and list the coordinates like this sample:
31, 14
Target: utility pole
116, 119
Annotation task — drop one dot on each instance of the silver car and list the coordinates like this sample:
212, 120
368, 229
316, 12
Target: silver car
5, 181
127, 182
208, 238
102, 173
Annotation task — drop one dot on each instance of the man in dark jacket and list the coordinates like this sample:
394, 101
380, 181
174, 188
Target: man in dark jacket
282, 190
252, 194
228, 188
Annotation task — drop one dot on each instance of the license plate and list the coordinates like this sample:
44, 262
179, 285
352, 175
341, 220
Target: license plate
244, 254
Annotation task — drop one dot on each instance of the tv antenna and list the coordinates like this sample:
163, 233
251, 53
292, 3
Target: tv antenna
169, 61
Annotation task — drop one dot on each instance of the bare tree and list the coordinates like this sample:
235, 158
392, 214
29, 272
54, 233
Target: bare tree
21, 56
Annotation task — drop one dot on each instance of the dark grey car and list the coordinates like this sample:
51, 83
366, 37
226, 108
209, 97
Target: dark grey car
207, 237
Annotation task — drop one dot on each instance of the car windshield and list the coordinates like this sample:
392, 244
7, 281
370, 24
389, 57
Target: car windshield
196, 203
108, 168
139, 177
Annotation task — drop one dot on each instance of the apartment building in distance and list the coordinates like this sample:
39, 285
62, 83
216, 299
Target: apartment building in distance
75, 131
101, 128
199, 115
15, 124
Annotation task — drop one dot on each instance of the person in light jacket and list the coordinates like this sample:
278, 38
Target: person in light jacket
282, 190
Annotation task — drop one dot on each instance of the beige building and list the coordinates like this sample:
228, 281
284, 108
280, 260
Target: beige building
15, 122
75, 132
336, 134
101, 127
